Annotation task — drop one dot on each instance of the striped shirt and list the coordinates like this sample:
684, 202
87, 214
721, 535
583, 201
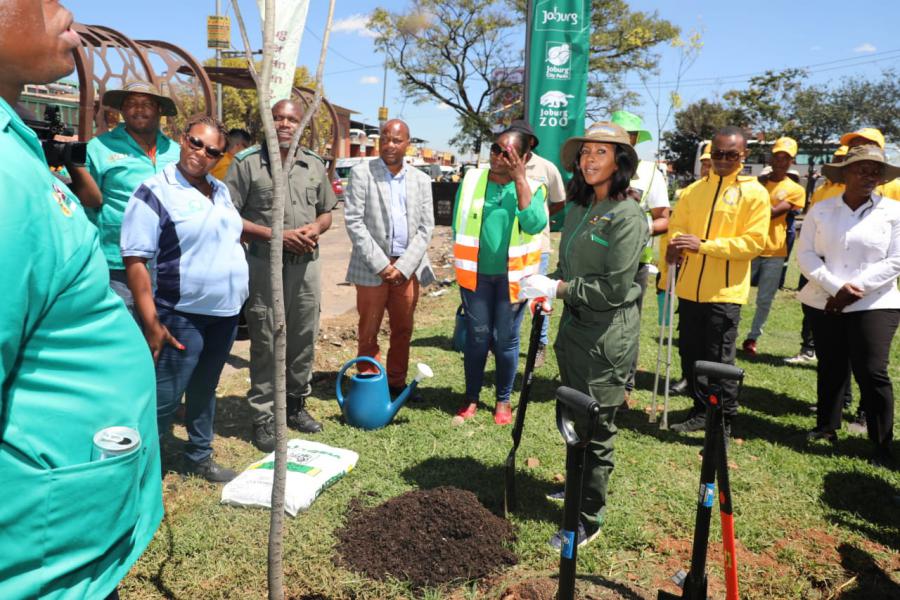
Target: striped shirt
192, 244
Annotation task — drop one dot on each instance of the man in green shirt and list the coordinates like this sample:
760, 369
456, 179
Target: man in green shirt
118, 162
72, 361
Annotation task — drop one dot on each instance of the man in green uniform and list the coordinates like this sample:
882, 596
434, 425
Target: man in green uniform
72, 361
307, 215
118, 162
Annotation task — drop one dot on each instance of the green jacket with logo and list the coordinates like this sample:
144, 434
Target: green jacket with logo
72, 362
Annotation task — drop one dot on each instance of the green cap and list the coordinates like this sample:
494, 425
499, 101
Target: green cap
631, 123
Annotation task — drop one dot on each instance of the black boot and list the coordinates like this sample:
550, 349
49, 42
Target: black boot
209, 470
264, 435
299, 419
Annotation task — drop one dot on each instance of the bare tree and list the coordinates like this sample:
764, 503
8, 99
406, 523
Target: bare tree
280, 171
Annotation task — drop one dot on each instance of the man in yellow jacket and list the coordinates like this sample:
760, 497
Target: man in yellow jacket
720, 226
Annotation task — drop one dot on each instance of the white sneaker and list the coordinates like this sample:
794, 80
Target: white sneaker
801, 358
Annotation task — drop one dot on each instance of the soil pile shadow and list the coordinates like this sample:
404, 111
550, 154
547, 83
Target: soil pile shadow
426, 537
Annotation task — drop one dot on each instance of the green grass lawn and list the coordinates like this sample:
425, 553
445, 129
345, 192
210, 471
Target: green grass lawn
811, 523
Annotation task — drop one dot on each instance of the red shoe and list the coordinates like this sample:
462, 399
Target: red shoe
467, 411
503, 413
750, 347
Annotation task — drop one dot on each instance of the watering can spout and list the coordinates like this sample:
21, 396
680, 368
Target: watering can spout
423, 371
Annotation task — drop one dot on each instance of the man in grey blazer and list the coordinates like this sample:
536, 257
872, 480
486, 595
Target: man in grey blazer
389, 218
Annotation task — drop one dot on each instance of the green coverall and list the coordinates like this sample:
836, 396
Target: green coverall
598, 334
309, 195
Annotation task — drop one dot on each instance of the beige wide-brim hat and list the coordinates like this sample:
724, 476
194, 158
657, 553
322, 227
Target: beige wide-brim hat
115, 98
835, 171
601, 131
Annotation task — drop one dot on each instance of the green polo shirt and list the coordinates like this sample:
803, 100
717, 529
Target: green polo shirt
501, 206
72, 362
119, 166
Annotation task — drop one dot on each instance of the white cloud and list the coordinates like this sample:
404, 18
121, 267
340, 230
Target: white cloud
357, 24
442, 106
816, 49
368, 80
866, 48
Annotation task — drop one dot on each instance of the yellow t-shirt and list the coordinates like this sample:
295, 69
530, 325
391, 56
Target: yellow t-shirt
221, 167
891, 189
829, 189
779, 191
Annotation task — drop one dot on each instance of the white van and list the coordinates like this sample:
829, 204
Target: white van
342, 167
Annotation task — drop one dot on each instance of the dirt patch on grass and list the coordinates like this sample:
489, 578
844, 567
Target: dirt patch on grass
532, 589
426, 537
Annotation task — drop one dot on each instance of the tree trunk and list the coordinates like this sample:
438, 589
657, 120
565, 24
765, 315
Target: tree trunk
279, 172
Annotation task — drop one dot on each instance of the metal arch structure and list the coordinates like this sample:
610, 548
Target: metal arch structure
239, 77
108, 59
183, 74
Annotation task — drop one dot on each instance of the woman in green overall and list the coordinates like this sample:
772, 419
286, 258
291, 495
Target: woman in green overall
604, 233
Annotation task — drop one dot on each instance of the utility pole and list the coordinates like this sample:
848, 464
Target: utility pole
218, 64
382, 110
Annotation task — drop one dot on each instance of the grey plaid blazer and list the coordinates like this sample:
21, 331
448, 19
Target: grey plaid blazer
367, 216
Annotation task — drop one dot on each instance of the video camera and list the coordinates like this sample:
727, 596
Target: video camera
58, 153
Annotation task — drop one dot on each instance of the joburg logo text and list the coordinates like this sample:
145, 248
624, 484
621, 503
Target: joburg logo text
554, 16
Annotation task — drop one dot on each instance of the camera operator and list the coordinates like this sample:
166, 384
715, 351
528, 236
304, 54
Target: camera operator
72, 362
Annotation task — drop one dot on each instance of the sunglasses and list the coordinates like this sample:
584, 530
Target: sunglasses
197, 144
723, 155
496, 149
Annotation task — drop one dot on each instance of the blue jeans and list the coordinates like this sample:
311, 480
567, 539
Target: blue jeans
543, 267
768, 269
491, 317
193, 372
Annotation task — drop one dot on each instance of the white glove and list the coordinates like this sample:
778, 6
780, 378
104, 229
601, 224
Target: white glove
537, 286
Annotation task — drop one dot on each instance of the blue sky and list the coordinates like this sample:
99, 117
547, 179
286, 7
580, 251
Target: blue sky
845, 39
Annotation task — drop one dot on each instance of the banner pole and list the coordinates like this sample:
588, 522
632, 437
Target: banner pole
526, 97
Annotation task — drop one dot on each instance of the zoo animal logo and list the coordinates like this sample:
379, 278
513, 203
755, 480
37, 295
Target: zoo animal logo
555, 99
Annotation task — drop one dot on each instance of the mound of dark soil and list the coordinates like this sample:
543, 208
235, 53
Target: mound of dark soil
426, 537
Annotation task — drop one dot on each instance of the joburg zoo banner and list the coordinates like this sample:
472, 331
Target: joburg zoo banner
558, 51
290, 19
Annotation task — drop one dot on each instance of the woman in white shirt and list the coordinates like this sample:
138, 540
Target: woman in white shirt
849, 250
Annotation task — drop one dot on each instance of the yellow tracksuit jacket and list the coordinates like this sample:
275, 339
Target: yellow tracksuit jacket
730, 215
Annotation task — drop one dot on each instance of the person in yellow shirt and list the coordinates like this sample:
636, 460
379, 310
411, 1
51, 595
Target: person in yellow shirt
867, 136
718, 227
238, 141
784, 195
828, 188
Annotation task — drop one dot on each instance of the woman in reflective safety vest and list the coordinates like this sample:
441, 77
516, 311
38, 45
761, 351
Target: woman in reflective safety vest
603, 237
496, 219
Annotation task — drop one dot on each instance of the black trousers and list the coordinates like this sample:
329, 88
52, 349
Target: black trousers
807, 343
708, 331
864, 339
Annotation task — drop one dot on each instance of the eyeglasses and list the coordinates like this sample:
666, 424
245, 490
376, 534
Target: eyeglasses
730, 155
197, 144
496, 149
